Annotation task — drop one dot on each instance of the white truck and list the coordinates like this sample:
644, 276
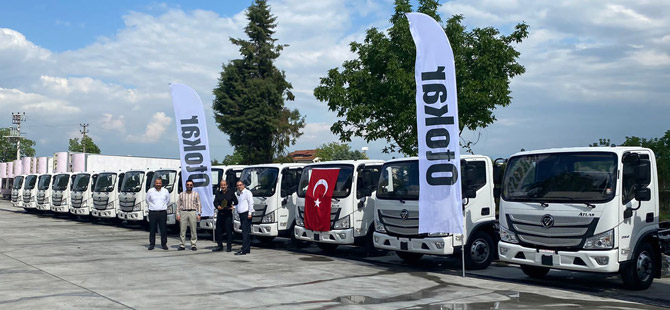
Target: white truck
397, 213
5, 178
43, 196
231, 174
272, 186
21, 169
592, 209
134, 187
60, 192
80, 193
352, 212
29, 192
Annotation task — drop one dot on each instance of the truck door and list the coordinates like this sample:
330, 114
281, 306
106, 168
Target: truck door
289, 185
366, 183
482, 207
642, 215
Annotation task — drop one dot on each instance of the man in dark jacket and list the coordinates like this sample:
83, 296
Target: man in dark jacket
224, 201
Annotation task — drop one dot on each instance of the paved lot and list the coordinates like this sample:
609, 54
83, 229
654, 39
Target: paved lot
54, 263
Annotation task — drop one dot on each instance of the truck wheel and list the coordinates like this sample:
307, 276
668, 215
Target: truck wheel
534, 271
369, 245
409, 257
479, 251
639, 274
327, 247
265, 239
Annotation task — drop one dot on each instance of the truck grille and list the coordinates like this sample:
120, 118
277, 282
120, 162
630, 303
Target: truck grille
259, 213
566, 233
41, 197
397, 226
76, 202
57, 198
26, 197
334, 214
100, 203
15, 197
126, 204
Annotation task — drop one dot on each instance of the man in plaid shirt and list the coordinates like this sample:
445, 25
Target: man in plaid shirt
188, 214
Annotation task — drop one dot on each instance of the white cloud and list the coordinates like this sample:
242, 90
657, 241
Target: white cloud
154, 131
14, 99
110, 123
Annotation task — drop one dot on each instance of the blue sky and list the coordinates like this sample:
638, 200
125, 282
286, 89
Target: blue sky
592, 69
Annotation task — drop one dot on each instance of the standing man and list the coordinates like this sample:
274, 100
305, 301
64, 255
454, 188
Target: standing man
245, 209
158, 199
225, 201
188, 214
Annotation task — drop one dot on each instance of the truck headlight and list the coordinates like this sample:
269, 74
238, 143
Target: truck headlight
342, 223
110, 205
137, 207
299, 221
600, 241
508, 236
269, 218
379, 227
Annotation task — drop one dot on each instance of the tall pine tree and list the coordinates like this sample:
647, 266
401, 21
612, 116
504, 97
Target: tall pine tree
249, 99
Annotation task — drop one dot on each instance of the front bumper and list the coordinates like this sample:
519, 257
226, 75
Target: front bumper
30, 205
43, 207
583, 260
131, 216
83, 211
429, 245
107, 213
340, 236
171, 219
266, 230
207, 224
60, 209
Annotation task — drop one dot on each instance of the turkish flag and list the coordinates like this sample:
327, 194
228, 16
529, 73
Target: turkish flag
317, 199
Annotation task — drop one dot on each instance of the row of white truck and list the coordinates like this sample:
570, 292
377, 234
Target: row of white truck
580, 209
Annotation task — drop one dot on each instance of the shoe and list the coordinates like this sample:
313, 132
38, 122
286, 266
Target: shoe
217, 249
151, 247
164, 247
240, 253
193, 248
181, 248
228, 250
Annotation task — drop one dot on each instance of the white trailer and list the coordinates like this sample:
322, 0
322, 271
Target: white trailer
592, 209
273, 187
352, 212
397, 213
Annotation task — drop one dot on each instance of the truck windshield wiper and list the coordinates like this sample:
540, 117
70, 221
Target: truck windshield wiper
588, 204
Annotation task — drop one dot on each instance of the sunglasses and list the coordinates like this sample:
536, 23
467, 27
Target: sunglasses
189, 185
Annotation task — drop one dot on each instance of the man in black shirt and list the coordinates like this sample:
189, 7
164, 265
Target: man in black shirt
224, 201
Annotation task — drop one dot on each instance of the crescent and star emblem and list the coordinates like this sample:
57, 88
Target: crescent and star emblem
325, 184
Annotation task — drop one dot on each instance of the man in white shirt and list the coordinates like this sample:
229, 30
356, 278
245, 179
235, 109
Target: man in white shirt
158, 199
245, 209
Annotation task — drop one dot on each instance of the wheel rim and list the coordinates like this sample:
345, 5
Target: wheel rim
479, 251
644, 266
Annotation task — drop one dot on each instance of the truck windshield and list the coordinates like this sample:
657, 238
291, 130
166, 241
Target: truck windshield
81, 182
44, 181
260, 181
399, 180
344, 178
61, 181
561, 177
105, 182
30, 181
168, 177
132, 181
18, 182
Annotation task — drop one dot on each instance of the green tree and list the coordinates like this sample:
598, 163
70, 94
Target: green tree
249, 99
375, 91
233, 159
338, 151
661, 148
8, 147
601, 142
76, 145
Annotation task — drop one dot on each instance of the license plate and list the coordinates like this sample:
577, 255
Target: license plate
547, 260
403, 246
546, 251
316, 237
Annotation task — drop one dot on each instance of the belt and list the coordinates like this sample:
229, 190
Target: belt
190, 210
157, 210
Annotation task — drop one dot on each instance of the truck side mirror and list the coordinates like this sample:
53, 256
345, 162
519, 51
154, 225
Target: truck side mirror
628, 213
643, 194
467, 181
631, 158
643, 173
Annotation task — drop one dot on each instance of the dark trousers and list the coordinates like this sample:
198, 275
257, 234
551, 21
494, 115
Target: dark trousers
157, 219
224, 223
246, 232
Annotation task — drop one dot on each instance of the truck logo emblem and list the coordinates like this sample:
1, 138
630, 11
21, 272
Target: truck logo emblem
404, 214
547, 221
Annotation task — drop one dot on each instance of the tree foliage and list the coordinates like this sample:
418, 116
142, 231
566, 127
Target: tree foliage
8, 147
661, 148
77, 145
233, 159
338, 151
375, 92
601, 142
249, 99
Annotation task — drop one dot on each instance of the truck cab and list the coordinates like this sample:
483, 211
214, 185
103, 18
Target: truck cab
592, 209
60, 192
17, 191
397, 213
106, 195
29, 192
80, 193
134, 187
43, 197
352, 212
231, 174
272, 186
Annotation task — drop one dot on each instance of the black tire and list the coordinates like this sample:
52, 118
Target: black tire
535, 272
369, 244
327, 247
265, 239
295, 241
639, 274
479, 251
409, 257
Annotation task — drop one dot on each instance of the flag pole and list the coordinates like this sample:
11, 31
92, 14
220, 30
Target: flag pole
463, 241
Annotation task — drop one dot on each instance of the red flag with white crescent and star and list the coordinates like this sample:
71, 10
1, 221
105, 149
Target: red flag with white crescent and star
322, 182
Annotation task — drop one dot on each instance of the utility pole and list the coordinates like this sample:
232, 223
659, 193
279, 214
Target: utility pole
17, 118
83, 131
